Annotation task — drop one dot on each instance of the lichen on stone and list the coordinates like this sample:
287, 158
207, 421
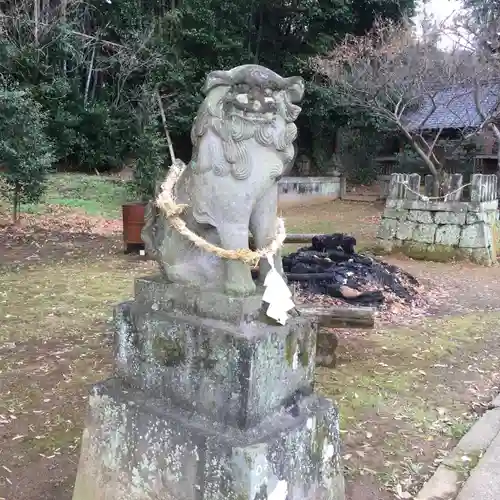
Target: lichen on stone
296, 349
290, 347
168, 351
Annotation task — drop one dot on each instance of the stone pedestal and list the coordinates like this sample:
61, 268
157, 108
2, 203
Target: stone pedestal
209, 402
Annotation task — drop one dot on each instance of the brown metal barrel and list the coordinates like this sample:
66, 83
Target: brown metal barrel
133, 222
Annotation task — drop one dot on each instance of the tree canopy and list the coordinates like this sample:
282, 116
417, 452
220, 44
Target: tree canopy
94, 65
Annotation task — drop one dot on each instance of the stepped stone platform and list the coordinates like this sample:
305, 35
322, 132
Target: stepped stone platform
209, 401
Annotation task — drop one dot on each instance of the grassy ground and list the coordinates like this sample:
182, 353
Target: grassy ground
103, 196
406, 394
54, 344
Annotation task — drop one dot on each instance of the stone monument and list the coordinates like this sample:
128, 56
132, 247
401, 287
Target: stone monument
211, 399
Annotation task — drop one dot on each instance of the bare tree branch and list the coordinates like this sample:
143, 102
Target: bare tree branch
409, 83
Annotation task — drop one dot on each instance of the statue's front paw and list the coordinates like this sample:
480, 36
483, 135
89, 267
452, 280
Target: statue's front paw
240, 287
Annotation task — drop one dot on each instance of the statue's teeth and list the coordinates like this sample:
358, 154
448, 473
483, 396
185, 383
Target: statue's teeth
242, 98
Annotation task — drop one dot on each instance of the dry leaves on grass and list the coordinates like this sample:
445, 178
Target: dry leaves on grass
426, 303
394, 310
61, 219
60, 232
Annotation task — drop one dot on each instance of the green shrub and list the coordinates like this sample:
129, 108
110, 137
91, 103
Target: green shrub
149, 150
26, 154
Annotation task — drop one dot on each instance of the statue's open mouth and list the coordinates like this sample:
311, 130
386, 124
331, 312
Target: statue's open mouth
253, 116
256, 107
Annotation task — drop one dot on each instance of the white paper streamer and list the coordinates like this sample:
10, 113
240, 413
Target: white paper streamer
277, 294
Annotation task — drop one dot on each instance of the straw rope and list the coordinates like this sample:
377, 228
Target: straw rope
432, 198
172, 211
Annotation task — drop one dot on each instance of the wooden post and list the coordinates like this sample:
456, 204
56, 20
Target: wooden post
16, 203
404, 181
494, 187
392, 191
396, 188
475, 188
295, 238
486, 188
491, 187
340, 317
343, 186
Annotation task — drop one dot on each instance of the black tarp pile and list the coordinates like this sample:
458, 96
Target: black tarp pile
330, 266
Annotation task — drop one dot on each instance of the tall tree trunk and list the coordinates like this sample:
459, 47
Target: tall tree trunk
89, 78
15, 204
95, 81
45, 10
64, 5
36, 17
428, 162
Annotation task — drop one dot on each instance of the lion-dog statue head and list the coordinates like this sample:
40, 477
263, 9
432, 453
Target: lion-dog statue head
245, 103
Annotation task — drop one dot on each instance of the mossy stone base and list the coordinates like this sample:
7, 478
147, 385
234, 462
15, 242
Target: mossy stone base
160, 295
137, 448
440, 231
210, 403
236, 374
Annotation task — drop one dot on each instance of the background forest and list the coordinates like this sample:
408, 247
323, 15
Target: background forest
78, 78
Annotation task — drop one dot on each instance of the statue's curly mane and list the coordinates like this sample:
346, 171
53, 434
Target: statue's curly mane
226, 152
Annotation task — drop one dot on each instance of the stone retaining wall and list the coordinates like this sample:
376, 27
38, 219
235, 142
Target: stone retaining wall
305, 188
441, 230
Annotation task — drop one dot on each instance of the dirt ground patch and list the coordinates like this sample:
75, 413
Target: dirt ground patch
407, 392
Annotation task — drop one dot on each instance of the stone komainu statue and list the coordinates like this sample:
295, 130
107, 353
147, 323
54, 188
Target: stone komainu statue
242, 139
